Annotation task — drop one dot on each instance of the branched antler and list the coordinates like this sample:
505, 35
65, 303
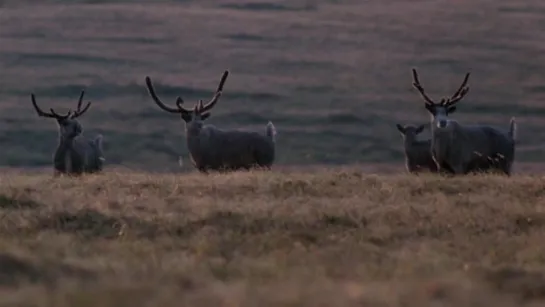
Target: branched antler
460, 93
55, 115
163, 106
199, 107
217, 95
457, 96
181, 109
79, 112
416, 84
51, 114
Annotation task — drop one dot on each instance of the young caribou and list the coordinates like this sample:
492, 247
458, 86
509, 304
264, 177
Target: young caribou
417, 152
460, 149
216, 149
74, 154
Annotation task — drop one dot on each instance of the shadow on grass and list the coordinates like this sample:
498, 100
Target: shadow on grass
227, 220
92, 224
14, 203
86, 223
18, 270
526, 285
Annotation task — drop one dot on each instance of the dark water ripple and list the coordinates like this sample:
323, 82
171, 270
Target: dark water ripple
270, 7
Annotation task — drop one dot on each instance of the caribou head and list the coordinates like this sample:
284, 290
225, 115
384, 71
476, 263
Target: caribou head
69, 127
440, 110
409, 132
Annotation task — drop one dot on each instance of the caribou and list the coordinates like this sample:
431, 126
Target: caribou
459, 149
417, 152
74, 154
214, 149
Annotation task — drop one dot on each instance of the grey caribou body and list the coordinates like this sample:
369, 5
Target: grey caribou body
75, 154
460, 149
216, 149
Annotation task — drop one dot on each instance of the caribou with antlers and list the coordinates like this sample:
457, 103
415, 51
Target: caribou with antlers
74, 154
216, 149
461, 149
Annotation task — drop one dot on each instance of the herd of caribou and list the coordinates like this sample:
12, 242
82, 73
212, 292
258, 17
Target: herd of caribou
454, 148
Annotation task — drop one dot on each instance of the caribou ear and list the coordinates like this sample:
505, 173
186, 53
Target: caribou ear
400, 128
451, 109
420, 128
205, 116
186, 117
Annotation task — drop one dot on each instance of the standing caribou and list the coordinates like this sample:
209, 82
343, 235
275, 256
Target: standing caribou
220, 150
460, 149
417, 152
75, 154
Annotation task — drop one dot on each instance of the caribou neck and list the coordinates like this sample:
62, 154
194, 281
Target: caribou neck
441, 143
193, 139
63, 154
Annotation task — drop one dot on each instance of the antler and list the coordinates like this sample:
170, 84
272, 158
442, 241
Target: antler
457, 96
52, 113
199, 107
181, 109
79, 112
416, 84
216, 96
179, 100
460, 93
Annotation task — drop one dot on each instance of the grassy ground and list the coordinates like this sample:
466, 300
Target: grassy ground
331, 237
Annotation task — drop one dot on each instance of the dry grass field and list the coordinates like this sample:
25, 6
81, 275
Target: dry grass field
334, 77
331, 237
